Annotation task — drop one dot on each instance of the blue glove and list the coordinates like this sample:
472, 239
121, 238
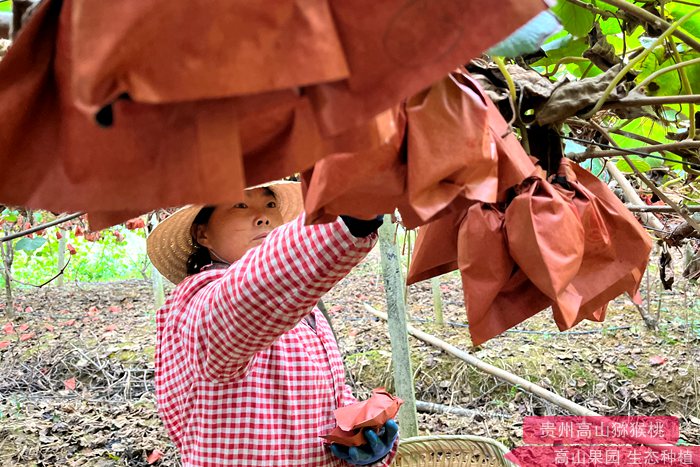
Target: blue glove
377, 447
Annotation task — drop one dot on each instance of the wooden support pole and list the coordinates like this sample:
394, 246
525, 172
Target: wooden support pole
400, 351
6, 257
524, 384
437, 300
156, 278
62, 242
158, 293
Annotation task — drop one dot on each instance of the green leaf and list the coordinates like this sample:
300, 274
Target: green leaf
579, 68
678, 165
9, 215
638, 162
691, 26
595, 166
6, 6
631, 41
565, 46
643, 127
578, 21
610, 26
30, 244
692, 71
668, 84
603, 6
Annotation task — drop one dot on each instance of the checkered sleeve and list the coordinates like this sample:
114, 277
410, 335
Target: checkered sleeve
266, 293
348, 397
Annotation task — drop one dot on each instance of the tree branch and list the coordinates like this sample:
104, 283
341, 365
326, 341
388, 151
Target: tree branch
636, 60
662, 71
503, 375
654, 100
684, 213
37, 228
642, 151
649, 220
592, 8
657, 208
56, 276
660, 23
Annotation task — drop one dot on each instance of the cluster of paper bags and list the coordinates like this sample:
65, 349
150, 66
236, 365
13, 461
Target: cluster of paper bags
523, 240
117, 108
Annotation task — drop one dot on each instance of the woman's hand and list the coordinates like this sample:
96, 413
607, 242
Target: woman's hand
362, 227
378, 445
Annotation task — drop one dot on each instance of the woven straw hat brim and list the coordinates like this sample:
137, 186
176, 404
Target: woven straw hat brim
170, 244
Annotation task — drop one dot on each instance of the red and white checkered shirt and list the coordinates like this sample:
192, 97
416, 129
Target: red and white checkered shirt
241, 378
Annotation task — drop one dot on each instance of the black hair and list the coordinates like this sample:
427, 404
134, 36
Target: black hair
200, 257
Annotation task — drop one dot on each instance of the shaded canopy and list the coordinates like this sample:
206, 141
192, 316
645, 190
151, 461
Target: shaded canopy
196, 101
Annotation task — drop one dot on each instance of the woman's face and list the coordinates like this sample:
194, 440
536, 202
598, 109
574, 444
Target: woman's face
234, 229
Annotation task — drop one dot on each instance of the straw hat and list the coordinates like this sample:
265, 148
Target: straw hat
170, 244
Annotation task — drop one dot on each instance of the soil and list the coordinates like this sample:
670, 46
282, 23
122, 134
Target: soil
77, 366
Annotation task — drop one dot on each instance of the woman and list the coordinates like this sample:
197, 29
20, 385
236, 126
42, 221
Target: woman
247, 370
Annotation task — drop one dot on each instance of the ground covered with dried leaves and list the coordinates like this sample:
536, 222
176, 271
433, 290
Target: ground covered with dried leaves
77, 367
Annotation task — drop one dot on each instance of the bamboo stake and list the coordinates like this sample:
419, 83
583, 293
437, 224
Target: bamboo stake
437, 300
7, 255
526, 385
400, 350
156, 278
